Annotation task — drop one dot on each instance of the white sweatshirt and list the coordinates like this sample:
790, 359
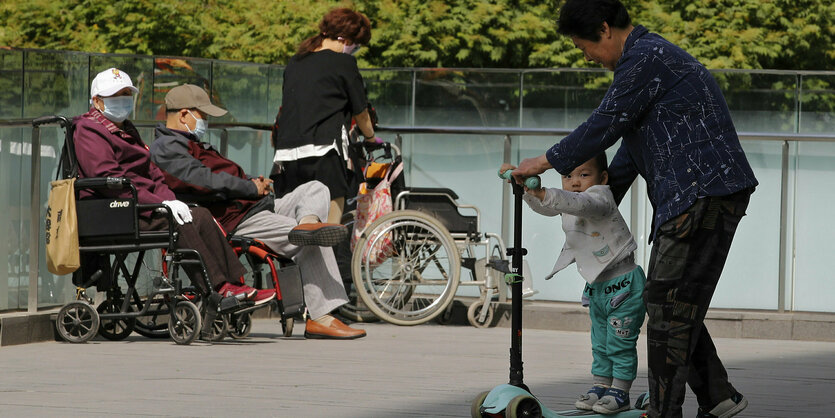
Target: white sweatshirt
596, 236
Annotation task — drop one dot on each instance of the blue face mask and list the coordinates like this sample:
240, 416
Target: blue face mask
201, 127
117, 109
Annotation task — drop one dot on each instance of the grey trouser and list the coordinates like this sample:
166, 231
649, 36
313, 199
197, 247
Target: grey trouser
323, 289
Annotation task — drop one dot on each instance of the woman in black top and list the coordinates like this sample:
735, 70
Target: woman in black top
323, 90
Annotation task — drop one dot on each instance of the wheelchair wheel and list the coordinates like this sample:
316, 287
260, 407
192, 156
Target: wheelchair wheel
154, 325
474, 312
240, 325
219, 328
406, 267
287, 325
356, 311
77, 322
114, 329
184, 323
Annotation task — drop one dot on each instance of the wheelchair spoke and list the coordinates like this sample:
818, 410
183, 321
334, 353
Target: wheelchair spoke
406, 271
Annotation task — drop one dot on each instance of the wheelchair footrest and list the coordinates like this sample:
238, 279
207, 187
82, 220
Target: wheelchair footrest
232, 303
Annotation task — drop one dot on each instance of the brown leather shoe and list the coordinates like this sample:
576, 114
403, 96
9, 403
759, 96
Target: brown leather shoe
321, 234
336, 331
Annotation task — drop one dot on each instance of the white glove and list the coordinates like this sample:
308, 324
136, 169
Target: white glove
180, 211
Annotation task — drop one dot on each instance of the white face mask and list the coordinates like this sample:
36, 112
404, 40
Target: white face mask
201, 127
348, 49
117, 109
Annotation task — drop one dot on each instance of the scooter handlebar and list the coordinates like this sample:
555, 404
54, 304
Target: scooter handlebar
530, 182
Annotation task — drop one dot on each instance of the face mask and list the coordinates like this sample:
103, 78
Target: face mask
349, 49
201, 127
118, 108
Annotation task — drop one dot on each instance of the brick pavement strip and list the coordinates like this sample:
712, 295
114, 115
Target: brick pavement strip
423, 371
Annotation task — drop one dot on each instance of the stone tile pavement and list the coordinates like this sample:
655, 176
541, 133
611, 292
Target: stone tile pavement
423, 371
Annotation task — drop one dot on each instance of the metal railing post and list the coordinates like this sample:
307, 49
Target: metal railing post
34, 220
224, 142
784, 224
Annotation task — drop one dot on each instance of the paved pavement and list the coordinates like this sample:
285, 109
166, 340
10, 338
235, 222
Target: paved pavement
423, 371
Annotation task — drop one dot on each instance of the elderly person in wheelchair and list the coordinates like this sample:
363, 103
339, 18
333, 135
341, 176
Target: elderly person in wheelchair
291, 226
108, 145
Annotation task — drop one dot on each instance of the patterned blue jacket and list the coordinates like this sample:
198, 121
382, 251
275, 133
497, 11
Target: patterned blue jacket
676, 128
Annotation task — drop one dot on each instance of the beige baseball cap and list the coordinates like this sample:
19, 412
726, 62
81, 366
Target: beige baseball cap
189, 96
109, 82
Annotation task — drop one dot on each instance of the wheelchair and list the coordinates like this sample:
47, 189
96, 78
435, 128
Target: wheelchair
108, 235
283, 275
407, 264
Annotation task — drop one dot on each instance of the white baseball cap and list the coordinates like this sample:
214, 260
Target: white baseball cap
109, 82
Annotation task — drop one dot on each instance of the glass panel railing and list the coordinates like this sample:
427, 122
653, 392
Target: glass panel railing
252, 150
448, 97
390, 92
11, 84
562, 99
53, 81
760, 102
35, 83
750, 277
244, 91
274, 92
813, 228
14, 215
817, 104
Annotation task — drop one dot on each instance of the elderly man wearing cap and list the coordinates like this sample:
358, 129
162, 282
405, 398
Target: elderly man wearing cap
290, 226
108, 145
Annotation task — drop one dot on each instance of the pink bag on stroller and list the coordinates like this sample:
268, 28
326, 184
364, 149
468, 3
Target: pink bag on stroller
372, 205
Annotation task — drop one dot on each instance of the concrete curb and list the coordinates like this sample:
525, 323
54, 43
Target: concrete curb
722, 323
23, 327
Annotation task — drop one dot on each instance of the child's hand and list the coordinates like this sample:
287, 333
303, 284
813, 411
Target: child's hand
538, 193
506, 167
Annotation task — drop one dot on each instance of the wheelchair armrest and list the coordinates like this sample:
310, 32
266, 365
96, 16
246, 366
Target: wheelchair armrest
202, 199
102, 182
160, 208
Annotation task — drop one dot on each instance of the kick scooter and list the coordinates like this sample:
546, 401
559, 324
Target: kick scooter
514, 399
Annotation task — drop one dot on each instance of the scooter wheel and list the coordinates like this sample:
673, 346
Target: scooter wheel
475, 410
523, 406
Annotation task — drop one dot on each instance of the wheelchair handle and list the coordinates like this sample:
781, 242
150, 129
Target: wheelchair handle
45, 120
530, 182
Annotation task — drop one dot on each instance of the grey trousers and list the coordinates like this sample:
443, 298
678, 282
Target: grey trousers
323, 289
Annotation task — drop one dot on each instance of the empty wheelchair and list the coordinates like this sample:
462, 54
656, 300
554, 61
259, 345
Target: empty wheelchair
407, 265
109, 239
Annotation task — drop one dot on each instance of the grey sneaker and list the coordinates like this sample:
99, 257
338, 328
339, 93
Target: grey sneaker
725, 409
588, 399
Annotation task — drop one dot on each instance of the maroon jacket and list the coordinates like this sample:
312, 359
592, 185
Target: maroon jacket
195, 168
104, 150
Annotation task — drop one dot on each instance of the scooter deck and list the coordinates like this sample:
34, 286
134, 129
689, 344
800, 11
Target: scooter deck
498, 399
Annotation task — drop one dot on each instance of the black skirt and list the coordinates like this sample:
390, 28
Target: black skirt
329, 169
